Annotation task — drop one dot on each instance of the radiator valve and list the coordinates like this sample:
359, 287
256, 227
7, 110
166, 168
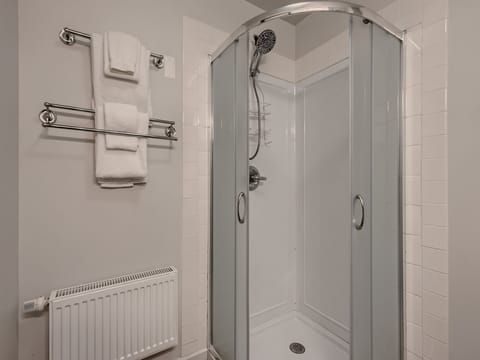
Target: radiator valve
35, 306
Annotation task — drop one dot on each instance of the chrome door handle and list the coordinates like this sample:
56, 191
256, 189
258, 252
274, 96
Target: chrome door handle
359, 224
241, 214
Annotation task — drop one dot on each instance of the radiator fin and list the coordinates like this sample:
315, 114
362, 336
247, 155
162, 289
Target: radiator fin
109, 282
123, 319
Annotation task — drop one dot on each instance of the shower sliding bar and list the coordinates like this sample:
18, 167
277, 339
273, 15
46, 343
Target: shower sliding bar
68, 37
48, 118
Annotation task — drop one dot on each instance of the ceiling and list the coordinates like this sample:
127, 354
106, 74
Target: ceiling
268, 5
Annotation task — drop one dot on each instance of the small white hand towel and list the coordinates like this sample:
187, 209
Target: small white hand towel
121, 117
119, 168
122, 53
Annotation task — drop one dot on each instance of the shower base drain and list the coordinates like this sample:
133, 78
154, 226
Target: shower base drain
297, 348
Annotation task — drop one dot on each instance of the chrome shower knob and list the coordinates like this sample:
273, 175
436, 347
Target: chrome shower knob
255, 179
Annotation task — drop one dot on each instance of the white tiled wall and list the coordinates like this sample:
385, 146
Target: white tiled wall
199, 40
426, 203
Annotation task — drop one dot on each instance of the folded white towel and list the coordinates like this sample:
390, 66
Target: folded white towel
118, 168
121, 117
122, 53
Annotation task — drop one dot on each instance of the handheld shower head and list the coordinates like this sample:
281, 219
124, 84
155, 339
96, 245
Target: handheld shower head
264, 43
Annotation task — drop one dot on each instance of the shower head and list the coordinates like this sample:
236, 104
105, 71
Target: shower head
264, 43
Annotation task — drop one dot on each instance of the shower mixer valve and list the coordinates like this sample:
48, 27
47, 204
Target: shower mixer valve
255, 178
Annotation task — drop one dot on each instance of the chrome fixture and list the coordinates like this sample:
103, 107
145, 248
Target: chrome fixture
255, 179
264, 43
69, 37
359, 224
297, 348
311, 7
48, 118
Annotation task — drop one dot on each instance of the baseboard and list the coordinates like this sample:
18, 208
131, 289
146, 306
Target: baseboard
199, 355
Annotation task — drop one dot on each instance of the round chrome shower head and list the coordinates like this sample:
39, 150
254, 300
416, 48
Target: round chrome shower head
265, 41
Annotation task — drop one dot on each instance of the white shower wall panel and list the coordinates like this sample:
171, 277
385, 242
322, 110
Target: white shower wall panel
323, 256
272, 215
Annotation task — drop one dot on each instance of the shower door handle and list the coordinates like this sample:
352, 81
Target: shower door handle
359, 224
241, 212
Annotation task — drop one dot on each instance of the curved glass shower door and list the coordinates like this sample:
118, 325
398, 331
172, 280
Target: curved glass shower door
376, 255
323, 245
229, 199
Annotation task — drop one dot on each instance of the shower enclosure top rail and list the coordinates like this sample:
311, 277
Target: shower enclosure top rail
311, 7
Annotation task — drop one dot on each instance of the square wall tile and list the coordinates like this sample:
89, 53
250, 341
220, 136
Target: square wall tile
434, 169
434, 124
435, 101
434, 214
413, 160
413, 190
414, 339
413, 101
413, 249
413, 130
435, 237
435, 282
435, 259
435, 192
413, 220
414, 279
434, 349
435, 304
435, 327
414, 309
434, 147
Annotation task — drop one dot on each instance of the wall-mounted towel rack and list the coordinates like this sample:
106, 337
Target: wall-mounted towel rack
48, 118
68, 37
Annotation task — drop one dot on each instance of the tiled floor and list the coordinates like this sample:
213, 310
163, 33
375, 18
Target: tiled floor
273, 341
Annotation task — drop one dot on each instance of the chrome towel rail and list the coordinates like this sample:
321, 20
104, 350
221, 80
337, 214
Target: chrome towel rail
48, 118
68, 37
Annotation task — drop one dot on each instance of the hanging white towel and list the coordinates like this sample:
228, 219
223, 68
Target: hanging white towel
119, 168
121, 117
122, 53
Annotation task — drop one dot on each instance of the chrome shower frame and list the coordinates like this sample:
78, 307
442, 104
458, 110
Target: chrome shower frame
312, 7
309, 7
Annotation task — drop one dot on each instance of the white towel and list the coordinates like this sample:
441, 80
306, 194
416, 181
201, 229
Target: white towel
121, 117
118, 168
122, 56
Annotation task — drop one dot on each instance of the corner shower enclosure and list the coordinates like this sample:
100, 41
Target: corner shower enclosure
308, 263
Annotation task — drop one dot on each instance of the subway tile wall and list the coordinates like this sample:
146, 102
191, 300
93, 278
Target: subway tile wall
199, 40
425, 179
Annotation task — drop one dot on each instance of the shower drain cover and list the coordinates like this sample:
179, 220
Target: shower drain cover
297, 348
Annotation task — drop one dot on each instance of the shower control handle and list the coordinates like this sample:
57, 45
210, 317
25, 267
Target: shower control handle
259, 178
241, 207
254, 178
359, 224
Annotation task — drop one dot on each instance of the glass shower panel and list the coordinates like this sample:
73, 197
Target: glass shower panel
361, 165
229, 290
376, 244
386, 203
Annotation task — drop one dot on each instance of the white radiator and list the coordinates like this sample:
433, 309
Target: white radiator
128, 317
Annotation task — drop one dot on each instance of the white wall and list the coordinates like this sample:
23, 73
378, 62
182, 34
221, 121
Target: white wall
464, 179
271, 212
323, 168
9, 188
71, 231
